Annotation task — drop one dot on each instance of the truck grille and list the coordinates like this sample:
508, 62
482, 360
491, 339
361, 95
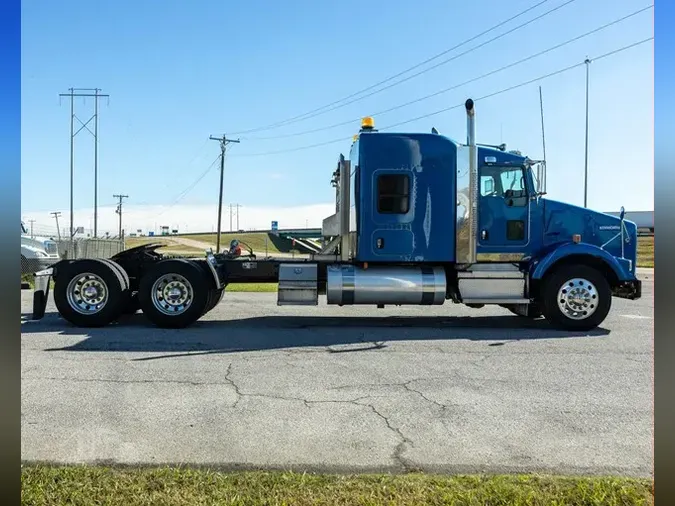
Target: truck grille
51, 248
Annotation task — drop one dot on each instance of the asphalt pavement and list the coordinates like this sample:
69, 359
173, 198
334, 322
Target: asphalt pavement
353, 389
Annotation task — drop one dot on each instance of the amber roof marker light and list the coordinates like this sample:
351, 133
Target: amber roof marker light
367, 124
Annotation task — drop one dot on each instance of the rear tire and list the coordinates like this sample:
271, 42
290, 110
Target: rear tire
576, 297
130, 301
215, 296
89, 293
174, 293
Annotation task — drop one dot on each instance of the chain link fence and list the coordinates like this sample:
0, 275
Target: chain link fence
40, 238
77, 249
89, 248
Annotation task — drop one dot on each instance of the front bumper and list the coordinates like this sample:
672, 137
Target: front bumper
631, 290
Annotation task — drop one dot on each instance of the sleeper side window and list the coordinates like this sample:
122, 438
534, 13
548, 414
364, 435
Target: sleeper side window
393, 193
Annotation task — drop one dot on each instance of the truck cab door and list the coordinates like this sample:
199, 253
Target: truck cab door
503, 211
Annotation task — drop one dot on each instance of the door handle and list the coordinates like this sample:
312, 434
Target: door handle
483, 234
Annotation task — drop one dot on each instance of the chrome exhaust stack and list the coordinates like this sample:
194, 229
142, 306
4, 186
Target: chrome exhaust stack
345, 246
473, 181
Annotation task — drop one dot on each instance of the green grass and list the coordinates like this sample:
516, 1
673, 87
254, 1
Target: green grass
645, 252
171, 247
256, 241
252, 287
79, 485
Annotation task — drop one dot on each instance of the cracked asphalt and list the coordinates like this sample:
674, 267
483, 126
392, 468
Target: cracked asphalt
354, 389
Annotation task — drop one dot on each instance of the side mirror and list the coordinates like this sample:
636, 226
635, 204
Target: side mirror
489, 185
623, 213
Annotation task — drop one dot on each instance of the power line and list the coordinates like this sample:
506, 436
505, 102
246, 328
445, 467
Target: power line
483, 76
504, 90
187, 190
520, 85
438, 55
338, 104
187, 166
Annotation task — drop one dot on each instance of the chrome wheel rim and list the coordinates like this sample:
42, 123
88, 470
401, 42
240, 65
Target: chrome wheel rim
578, 299
87, 293
172, 294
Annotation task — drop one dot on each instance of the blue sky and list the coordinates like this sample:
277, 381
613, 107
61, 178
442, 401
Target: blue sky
180, 71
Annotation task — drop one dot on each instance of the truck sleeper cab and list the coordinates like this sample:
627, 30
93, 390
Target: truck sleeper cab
419, 219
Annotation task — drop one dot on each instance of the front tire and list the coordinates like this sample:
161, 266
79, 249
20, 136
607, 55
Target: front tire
576, 297
174, 293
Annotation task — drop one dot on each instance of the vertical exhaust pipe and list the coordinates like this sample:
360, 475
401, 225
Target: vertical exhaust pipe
473, 179
345, 245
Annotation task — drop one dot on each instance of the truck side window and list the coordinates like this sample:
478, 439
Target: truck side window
393, 193
487, 185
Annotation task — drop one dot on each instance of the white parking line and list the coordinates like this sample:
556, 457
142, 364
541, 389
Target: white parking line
637, 316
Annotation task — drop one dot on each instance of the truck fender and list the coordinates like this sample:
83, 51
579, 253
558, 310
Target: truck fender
543, 265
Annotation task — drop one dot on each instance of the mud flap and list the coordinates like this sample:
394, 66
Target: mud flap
41, 293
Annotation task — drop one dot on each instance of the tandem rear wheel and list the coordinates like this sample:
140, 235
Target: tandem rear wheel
175, 293
91, 293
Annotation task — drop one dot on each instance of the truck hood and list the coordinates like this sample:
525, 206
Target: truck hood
562, 221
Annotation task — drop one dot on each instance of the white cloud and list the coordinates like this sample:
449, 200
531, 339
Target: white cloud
187, 218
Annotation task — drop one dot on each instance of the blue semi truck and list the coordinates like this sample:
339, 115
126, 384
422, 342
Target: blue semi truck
420, 219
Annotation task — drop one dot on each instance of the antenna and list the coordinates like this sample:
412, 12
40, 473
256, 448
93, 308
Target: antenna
542, 176
543, 136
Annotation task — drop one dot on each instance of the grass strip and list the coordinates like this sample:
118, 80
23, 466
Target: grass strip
251, 287
81, 485
645, 251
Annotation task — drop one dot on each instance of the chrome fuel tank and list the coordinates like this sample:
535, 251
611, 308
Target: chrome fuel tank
347, 284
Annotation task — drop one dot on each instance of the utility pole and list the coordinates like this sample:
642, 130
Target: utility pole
31, 228
587, 62
56, 215
84, 93
119, 210
238, 206
224, 141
